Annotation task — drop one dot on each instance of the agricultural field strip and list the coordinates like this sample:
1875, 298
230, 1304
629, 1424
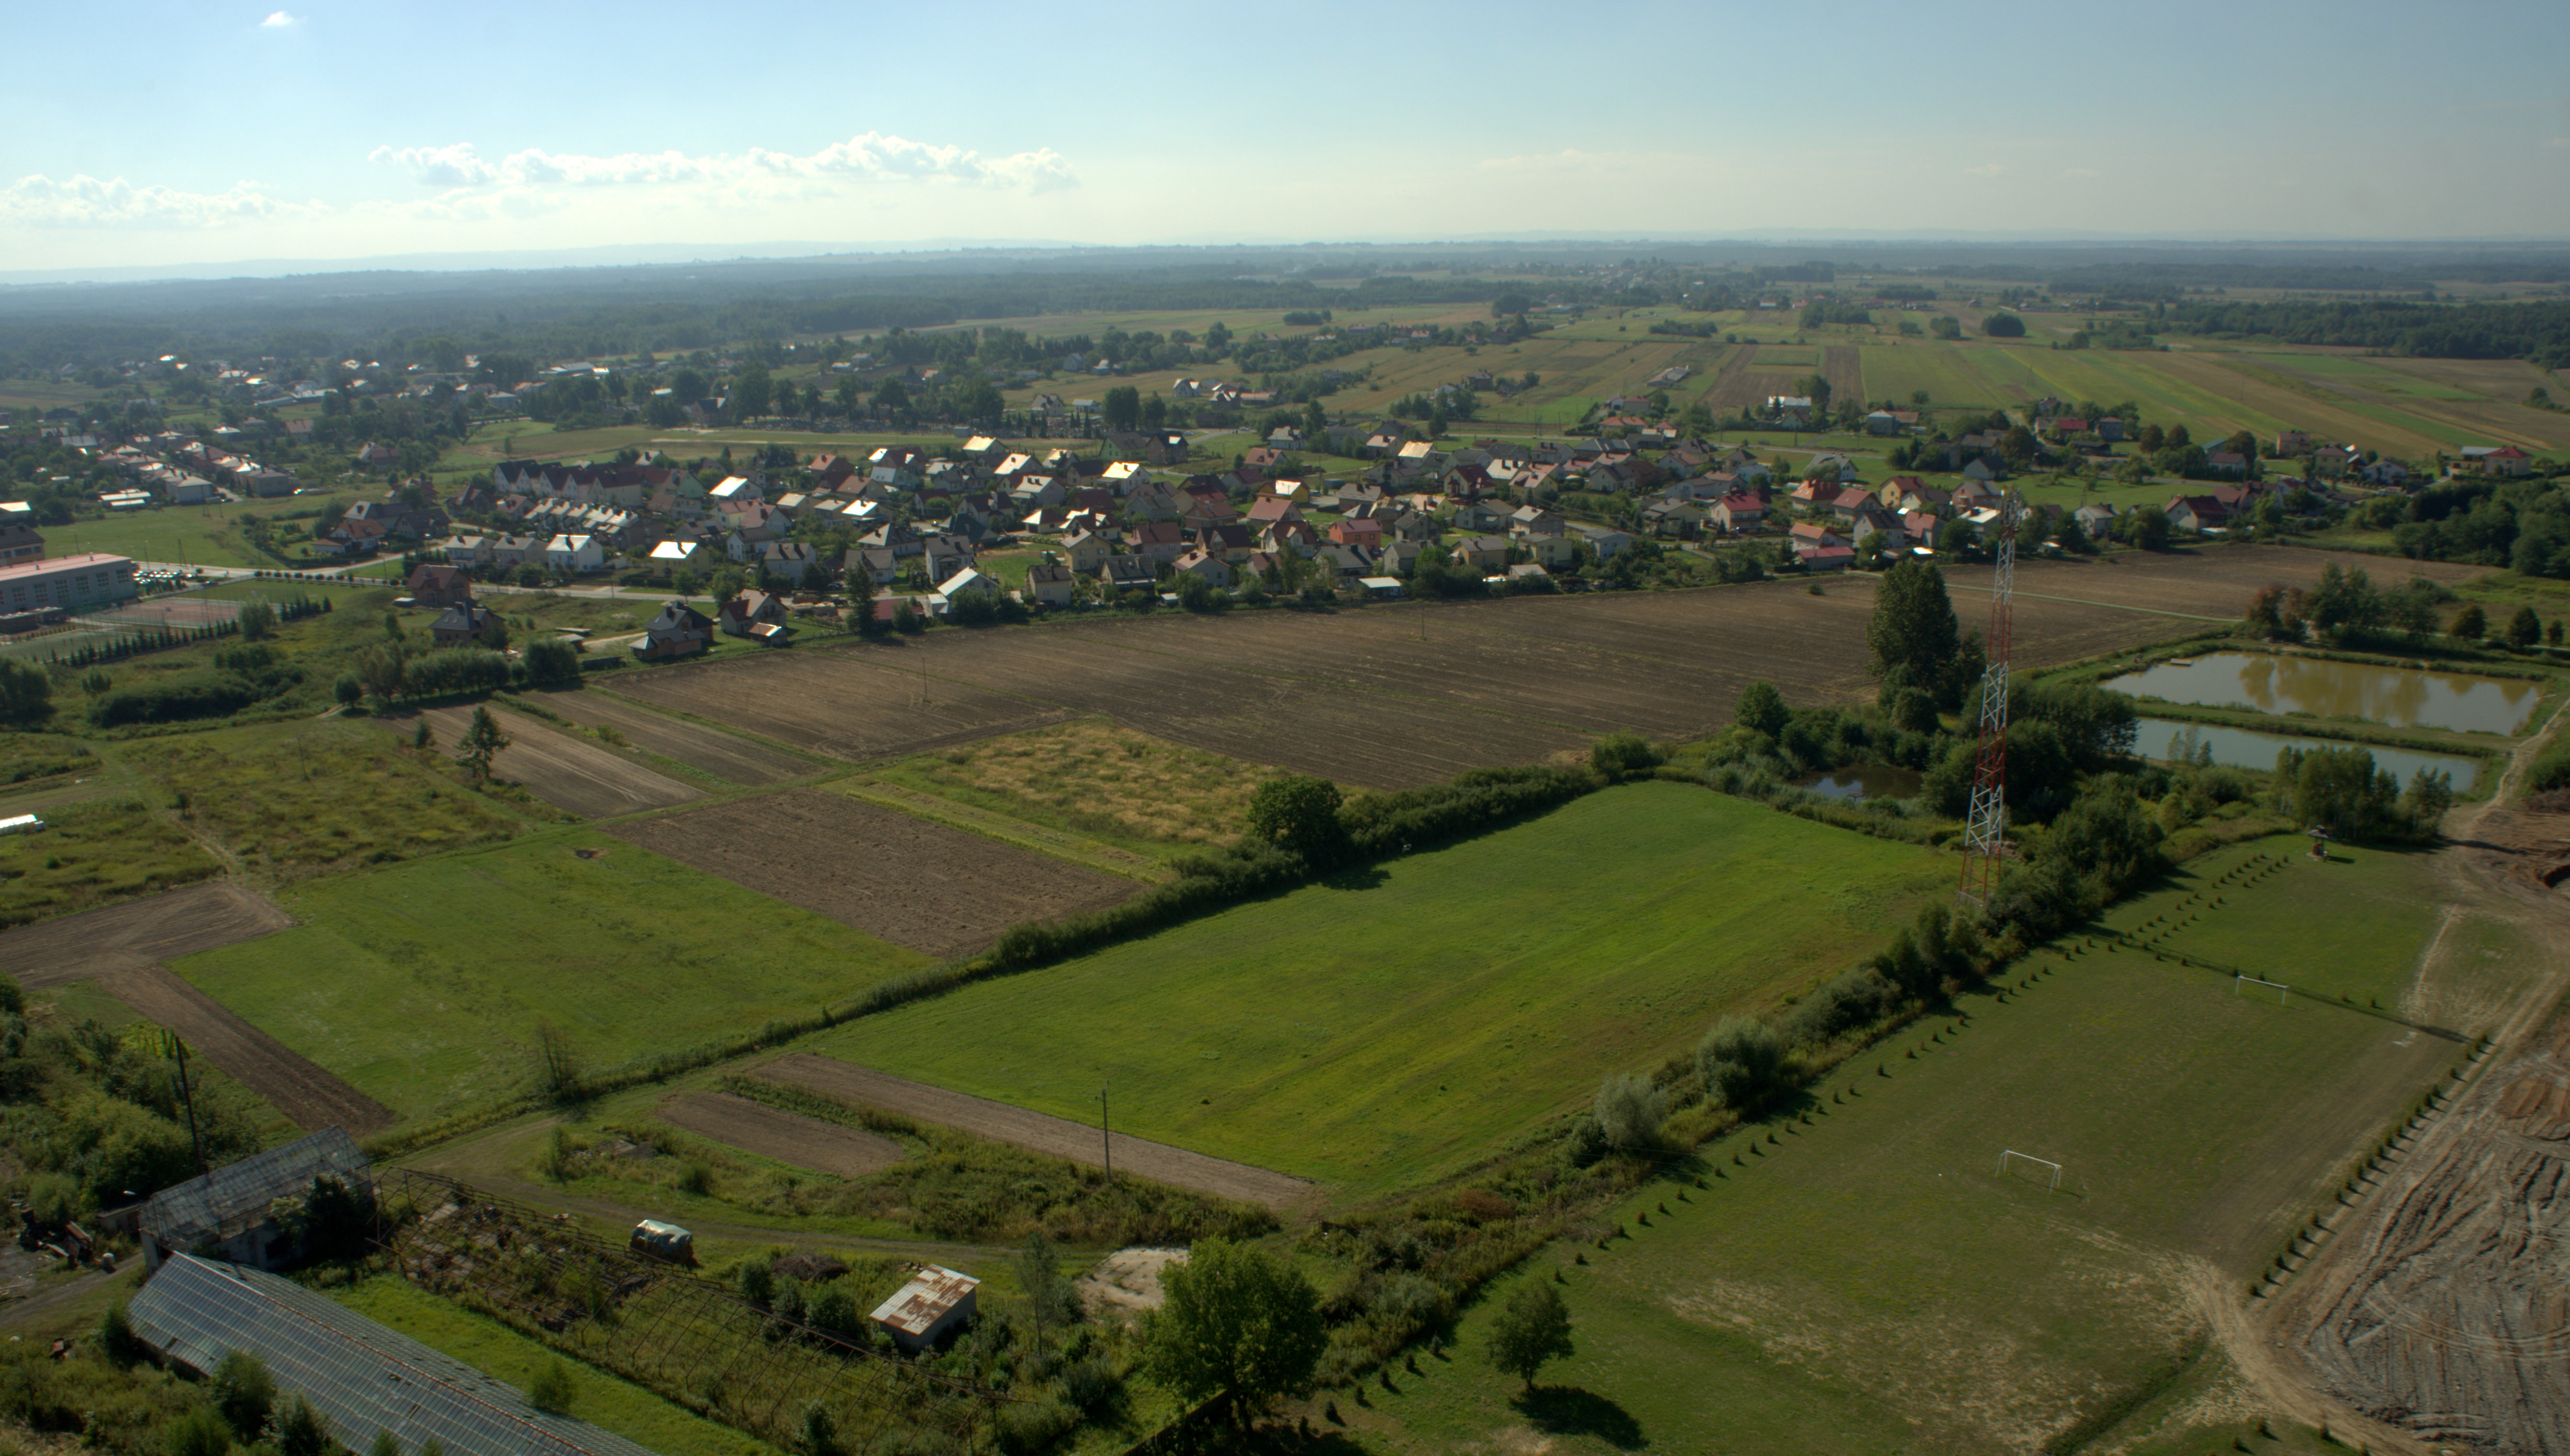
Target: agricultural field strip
159, 927
954, 895
567, 771
706, 749
1086, 853
1035, 1131
309, 1096
778, 1135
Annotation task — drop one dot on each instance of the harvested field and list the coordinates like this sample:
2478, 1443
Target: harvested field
854, 704
1393, 697
919, 885
310, 1098
563, 771
803, 1142
1841, 367
708, 750
1052, 1136
136, 933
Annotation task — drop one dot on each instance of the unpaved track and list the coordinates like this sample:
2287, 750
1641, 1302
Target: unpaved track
568, 773
804, 1142
2440, 1309
310, 1097
137, 933
1052, 1136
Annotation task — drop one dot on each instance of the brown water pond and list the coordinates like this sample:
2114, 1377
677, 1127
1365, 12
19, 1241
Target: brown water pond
2397, 697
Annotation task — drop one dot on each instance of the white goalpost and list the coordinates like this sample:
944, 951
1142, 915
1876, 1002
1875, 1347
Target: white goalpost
2006, 1153
2279, 987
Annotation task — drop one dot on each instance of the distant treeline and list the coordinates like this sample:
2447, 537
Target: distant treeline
673, 314
2536, 331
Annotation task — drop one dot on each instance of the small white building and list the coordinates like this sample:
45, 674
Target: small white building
936, 1300
571, 554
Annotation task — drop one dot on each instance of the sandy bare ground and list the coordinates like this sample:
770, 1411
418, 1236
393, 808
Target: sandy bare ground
708, 750
137, 933
1052, 1136
1127, 1279
769, 1132
567, 771
2437, 1315
911, 882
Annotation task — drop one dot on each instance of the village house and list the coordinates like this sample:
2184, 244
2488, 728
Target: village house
1211, 568
435, 586
755, 614
1051, 583
462, 623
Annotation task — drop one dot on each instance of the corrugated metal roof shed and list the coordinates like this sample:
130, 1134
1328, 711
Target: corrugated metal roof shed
236, 1195
362, 1375
915, 1306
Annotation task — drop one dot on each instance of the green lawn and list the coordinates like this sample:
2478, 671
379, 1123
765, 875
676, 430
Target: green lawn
599, 1398
422, 984
1388, 1026
1867, 1283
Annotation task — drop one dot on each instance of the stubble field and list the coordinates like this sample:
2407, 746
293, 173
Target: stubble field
1394, 697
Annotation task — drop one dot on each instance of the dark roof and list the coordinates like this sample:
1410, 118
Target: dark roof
364, 1377
234, 1198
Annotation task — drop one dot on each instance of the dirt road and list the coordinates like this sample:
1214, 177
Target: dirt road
309, 1096
2440, 1306
1052, 1136
137, 933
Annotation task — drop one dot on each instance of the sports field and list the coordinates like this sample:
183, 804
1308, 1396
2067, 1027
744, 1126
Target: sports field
1377, 1029
1866, 1281
423, 984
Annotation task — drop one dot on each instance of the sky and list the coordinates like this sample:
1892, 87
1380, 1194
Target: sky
204, 133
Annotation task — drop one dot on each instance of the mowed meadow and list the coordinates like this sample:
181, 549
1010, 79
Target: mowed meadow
1382, 1027
1856, 1275
423, 984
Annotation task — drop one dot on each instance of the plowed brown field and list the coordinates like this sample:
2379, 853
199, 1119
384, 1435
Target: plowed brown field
913, 883
1391, 697
138, 933
706, 750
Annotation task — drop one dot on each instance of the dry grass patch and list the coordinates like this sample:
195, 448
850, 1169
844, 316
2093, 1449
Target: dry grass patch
1107, 779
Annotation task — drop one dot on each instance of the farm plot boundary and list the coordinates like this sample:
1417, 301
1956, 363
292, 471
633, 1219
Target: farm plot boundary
1035, 1131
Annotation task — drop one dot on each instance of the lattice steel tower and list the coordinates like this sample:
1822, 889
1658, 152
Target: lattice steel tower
1984, 830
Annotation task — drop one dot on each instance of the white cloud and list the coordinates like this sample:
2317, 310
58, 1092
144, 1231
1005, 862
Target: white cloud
280, 20
869, 156
88, 202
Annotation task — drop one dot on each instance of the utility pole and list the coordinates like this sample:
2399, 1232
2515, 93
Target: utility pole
1105, 1138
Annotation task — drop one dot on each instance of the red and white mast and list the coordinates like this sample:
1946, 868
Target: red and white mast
1985, 828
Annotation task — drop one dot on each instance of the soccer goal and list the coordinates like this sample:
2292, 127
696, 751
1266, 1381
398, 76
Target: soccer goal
2007, 1153
2279, 987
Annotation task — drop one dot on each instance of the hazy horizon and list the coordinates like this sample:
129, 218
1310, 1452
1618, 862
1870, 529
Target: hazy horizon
552, 131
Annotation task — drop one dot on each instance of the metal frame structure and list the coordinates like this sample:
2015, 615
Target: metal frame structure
2006, 1153
1986, 824
664, 1327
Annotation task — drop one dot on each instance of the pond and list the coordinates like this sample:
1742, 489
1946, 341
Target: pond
1862, 781
2242, 748
2397, 697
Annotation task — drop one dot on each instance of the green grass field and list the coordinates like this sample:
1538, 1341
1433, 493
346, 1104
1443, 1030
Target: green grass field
599, 1398
422, 984
96, 853
1867, 1283
1373, 1034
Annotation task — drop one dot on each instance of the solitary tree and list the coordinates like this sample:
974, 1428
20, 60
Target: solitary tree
1301, 813
1914, 632
245, 1393
2525, 628
1238, 1326
1741, 1058
1629, 1110
1533, 1327
256, 619
1763, 708
2471, 623
480, 743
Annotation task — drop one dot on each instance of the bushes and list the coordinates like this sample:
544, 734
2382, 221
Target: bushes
26, 692
1742, 1059
552, 662
1620, 754
1382, 825
452, 670
201, 692
1629, 1111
